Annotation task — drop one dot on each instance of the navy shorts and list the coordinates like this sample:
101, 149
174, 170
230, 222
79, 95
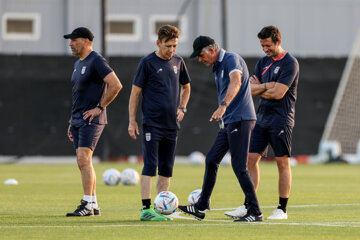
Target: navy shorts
86, 135
279, 139
159, 151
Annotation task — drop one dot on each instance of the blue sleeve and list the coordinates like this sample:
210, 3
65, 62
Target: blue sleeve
288, 74
184, 75
102, 67
141, 74
233, 63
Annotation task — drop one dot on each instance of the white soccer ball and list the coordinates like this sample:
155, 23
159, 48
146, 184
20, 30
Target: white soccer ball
226, 161
194, 196
166, 202
11, 181
197, 158
130, 176
111, 177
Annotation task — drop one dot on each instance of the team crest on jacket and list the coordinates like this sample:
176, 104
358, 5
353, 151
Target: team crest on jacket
175, 69
83, 69
148, 136
276, 69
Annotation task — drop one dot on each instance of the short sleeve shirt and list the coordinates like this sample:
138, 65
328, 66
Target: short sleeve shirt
88, 87
242, 106
160, 82
280, 112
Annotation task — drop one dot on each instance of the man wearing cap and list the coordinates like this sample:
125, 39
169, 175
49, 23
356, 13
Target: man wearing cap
94, 87
236, 115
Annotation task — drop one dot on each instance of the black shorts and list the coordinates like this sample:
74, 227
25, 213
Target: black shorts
159, 151
279, 139
86, 135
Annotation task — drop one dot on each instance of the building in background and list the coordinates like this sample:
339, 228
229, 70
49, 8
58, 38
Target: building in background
320, 28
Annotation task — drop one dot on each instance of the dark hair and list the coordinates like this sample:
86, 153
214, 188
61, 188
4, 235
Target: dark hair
270, 31
168, 32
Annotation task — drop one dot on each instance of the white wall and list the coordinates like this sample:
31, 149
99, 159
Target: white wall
320, 28
308, 27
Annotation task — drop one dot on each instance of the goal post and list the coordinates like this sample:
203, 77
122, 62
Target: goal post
343, 123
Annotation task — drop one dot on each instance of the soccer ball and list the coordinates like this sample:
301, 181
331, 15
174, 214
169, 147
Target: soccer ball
166, 202
111, 177
197, 158
194, 196
130, 176
226, 159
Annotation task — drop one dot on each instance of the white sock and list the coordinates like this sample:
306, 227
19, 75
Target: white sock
89, 200
94, 202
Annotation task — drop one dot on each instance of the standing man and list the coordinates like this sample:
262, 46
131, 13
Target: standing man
236, 115
157, 78
90, 97
275, 81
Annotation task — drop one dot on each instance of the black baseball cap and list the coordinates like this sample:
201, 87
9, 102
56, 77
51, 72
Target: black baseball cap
81, 32
199, 43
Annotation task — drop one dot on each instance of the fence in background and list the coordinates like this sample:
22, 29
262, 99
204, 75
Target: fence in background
35, 102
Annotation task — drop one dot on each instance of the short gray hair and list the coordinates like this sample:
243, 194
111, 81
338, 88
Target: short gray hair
213, 46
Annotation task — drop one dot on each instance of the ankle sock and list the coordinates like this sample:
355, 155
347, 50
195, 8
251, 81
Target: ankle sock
146, 203
94, 202
283, 203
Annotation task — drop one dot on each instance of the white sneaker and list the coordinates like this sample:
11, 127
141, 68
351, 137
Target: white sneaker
237, 213
278, 214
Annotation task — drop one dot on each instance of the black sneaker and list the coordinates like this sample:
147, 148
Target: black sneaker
250, 218
192, 210
97, 212
81, 210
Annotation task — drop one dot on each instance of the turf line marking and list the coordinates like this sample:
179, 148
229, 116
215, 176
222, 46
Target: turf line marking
219, 222
338, 224
329, 224
298, 206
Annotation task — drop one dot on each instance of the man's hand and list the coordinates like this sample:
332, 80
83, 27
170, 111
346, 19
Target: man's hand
180, 114
69, 134
217, 115
91, 114
254, 80
133, 129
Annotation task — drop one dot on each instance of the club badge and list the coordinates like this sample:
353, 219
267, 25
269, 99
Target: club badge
83, 69
148, 136
175, 69
276, 69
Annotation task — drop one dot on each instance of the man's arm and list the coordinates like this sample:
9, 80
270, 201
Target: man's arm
114, 87
277, 92
269, 90
184, 99
232, 91
133, 128
257, 87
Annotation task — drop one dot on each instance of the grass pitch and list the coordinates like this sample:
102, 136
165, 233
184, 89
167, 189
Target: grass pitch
324, 204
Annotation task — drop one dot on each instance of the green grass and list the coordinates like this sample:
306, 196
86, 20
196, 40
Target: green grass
35, 209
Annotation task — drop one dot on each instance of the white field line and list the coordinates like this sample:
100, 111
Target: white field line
299, 206
324, 224
231, 223
215, 222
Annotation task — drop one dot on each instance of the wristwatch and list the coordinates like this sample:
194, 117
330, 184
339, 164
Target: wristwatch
223, 103
100, 107
183, 109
